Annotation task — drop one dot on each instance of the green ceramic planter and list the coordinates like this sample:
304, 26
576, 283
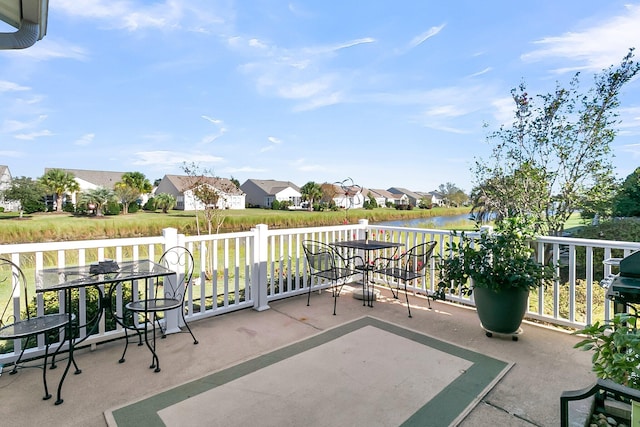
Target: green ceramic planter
501, 312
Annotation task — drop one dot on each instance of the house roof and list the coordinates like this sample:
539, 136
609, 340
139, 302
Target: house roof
383, 193
271, 186
106, 179
400, 190
183, 183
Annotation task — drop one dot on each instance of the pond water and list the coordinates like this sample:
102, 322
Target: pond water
434, 221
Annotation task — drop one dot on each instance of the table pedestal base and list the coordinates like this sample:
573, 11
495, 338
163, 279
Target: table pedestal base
371, 295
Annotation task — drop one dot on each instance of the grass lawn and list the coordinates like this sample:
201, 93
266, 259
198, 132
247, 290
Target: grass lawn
47, 227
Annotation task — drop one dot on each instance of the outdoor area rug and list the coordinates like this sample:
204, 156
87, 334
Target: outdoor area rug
367, 372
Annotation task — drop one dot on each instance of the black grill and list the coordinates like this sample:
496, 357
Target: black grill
624, 288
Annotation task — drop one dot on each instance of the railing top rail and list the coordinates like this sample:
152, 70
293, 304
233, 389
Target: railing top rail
589, 242
75, 244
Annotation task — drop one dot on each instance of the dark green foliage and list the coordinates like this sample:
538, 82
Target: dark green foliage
33, 206
150, 205
616, 347
69, 207
134, 207
503, 259
112, 208
28, 192
627, 202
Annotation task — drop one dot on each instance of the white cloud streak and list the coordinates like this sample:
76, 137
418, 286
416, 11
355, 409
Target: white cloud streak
594, 48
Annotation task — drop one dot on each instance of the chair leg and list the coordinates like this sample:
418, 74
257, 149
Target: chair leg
47, 395
406, 294
126, 345
309, 295
155, 362
195, 341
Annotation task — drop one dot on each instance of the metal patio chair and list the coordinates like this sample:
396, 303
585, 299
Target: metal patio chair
404, 268
164, 299
325, 262
16, 324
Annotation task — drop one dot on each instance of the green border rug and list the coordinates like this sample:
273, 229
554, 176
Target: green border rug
366, 372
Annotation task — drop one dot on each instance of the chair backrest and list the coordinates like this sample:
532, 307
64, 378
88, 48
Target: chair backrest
179, 259
418, 256
320, 256
11, 276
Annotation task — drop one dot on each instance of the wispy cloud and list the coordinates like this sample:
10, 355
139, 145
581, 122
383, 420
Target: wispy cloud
50, 48
33, 135
594, 48
134, 16
481, 72
421, 38
6, 86
208, 139
304, 75
10, 126
274, 142
173, 158
85, 139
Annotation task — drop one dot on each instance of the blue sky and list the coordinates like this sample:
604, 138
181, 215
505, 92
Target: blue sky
386, 93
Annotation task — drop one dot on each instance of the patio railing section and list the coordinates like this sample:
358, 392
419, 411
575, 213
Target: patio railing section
250, 269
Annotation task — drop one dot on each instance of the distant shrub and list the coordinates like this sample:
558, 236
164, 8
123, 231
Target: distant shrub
112, 208
150, 205
32, 206
69, 207
133, 208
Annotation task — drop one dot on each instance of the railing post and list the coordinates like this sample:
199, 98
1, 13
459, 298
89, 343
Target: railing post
259, 270
364, 223
172, 318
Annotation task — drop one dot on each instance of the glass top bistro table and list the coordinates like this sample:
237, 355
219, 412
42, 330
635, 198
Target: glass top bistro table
367, 246
96, 275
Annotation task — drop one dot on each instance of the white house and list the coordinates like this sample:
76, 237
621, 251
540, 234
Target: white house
348, 197
181, 187
5, 183
263, 192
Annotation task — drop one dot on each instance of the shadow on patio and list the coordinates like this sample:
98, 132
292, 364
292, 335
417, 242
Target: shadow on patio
545, 363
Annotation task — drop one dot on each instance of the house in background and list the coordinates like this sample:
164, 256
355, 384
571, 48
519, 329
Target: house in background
90, 180
434, 197
411, 198
181, 187
346, 197
263, 192
5, 183
382, 196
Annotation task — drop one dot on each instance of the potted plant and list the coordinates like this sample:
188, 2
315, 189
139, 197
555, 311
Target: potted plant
616, 363
499, 268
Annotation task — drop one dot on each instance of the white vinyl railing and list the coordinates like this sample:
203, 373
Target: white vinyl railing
250, 269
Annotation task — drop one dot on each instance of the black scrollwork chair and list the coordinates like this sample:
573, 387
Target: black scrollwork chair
165, 298
327, 263
405, 267
17, 325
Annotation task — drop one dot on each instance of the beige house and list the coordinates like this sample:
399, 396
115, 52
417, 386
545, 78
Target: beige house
181, 187
263, 192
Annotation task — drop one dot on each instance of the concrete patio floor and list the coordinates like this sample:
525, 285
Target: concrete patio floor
528, 395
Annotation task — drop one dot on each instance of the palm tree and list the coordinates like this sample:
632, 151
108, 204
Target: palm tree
98, 196
130, 187
59, 182
165, 201
136, 180
311, 192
